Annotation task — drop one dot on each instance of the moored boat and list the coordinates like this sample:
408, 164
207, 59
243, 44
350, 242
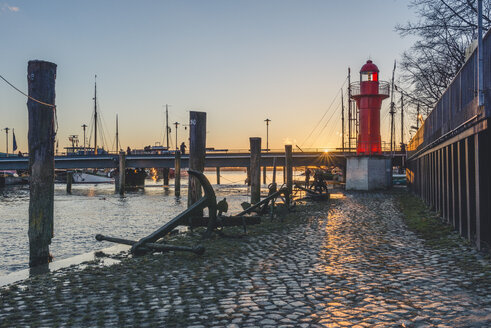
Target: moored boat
87, 177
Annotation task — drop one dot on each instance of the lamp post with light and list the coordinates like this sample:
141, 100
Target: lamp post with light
7, 142
176, 124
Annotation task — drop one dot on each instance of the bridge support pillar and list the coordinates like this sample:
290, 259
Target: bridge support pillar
122, 173
69, 180
165, 172
289, 168
218, 175
177, 174
274, 169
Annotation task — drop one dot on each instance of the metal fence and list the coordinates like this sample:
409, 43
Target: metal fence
459, 104
383, 88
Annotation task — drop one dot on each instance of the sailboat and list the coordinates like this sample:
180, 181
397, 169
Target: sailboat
95, 176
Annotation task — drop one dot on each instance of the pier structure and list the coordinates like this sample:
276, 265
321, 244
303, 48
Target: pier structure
449, 156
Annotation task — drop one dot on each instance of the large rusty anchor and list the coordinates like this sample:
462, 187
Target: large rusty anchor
152, 242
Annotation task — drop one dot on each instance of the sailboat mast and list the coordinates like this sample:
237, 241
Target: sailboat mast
117, 135
167, 125
392, 113
95, 115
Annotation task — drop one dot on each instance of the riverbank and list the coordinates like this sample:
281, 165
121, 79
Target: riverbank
351, 261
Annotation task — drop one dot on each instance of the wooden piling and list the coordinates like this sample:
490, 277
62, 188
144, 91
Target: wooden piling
69, 180
122, 173
197, 152
218, 175
177, 174
248, 174
264, 174
41, 77
255, 146
289, 168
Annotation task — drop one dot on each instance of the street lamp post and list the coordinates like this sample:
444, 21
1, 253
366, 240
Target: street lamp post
176, 124
7, 142
267, 133
84, 126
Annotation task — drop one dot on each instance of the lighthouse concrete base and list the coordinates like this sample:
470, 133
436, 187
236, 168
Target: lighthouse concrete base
368, 172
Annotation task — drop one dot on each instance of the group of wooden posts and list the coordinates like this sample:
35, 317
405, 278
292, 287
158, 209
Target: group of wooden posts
41, 139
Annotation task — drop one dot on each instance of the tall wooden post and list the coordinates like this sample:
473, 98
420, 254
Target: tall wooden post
289, 168
41, 77
218, 175
197, 152
255, 145
248, 173
69, 179
122, 173
177, 174
274, 169
264, 174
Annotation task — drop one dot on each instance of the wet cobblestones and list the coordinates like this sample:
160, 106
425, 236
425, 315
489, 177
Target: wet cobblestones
351, 264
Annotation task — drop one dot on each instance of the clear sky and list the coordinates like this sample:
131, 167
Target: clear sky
241, 61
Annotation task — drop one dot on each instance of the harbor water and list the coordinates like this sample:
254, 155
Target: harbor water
96, 208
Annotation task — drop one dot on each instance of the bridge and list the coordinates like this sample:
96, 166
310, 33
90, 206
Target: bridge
167, 160
212, 159
449, 157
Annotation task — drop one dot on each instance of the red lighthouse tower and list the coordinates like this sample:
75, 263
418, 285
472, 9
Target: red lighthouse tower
368, 94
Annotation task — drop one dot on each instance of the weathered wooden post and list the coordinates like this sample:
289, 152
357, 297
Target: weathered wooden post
255, 169
197, 153
177, 174
289, 168
248, 173
122, 173
41, 77
274, 169
218, 175
264, 174
69, 180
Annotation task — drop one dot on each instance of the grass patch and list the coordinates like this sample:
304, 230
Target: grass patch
426, 223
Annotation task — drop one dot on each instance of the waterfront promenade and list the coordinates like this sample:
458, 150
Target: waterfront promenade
352, 263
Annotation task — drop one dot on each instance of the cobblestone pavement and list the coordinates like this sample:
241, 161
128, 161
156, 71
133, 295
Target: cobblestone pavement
353, 264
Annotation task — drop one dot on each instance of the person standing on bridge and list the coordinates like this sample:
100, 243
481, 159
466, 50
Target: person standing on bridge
183, 148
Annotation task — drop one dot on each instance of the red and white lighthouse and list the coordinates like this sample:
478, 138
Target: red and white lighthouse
368, 94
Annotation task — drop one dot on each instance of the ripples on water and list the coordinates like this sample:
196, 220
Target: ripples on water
93, 209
